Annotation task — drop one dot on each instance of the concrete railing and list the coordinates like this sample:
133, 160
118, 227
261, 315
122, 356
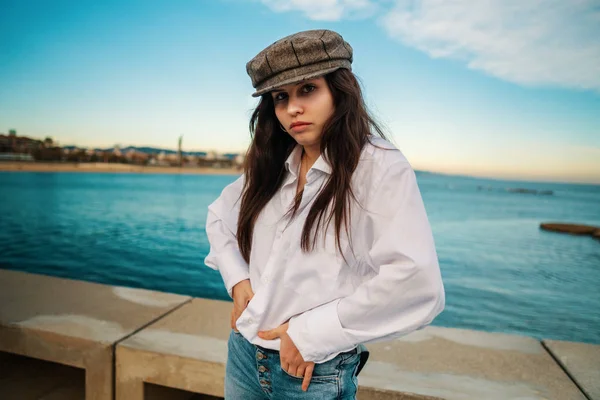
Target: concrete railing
128, 340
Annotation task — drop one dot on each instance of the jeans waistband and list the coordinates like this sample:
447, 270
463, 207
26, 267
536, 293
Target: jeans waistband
264, 349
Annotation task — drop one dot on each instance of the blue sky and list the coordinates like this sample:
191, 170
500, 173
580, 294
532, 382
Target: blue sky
501, 88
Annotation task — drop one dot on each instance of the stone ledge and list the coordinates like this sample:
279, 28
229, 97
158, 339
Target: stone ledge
581, 361
24, 378
75, 323
188, 348
181, 343
462, 364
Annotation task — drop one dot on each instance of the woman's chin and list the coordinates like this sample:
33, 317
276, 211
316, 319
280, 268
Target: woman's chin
306, 139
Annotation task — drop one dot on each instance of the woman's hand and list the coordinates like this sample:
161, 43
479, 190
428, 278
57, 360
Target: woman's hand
242, 294
290, 357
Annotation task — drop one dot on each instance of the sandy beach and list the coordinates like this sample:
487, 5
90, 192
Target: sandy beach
106, 167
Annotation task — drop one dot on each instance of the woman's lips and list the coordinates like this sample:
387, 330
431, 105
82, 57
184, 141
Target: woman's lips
299, 127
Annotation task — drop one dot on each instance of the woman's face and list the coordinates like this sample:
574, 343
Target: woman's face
303, 109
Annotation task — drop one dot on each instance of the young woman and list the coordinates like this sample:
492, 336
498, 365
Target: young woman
323, 243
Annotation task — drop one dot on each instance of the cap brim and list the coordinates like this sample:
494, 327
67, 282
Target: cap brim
295, 79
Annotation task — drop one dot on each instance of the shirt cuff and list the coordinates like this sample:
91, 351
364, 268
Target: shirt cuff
233, 269
318, 333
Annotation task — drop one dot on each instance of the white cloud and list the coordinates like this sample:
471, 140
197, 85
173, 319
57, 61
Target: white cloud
324, 10
530, 42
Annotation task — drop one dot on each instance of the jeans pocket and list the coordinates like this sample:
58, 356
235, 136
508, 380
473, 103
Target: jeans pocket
315, 377
350, 360
235, 339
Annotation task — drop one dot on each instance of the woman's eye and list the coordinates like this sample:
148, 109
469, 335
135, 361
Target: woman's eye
308, 88
279, 97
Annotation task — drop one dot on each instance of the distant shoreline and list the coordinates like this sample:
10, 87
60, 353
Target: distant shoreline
112, 167
31, 166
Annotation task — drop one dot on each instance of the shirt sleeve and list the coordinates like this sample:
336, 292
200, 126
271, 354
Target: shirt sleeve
406, 294
221, 227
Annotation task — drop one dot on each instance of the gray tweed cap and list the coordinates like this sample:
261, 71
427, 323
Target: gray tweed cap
303, 55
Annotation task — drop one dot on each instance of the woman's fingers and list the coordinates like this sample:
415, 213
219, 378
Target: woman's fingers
308, 375
241, 297
235, 314
238, 310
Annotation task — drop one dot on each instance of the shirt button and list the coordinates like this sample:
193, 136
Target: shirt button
250, 321
262, 369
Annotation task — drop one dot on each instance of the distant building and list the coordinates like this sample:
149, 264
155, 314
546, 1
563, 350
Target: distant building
4, 143
136, 157
160, 160
179, 153
16, 157
18, 144
173, 160
239, 160
192, 161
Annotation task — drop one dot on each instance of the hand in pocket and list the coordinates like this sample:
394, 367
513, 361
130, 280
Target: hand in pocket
242, 294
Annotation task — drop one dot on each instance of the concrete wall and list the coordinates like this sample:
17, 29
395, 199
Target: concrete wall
177, 342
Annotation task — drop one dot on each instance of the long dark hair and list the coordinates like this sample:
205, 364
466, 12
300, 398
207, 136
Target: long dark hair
343, 139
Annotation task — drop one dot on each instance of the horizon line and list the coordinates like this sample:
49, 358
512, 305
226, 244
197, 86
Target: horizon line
471, 175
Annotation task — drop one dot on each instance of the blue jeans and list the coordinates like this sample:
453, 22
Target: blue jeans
254, 373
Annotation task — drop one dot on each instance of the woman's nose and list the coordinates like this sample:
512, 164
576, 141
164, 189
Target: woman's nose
294, 106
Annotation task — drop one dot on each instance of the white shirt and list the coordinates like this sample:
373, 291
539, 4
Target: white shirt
388, 286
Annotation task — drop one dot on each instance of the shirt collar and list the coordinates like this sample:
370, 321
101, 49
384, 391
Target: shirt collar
293, 161
292, 164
